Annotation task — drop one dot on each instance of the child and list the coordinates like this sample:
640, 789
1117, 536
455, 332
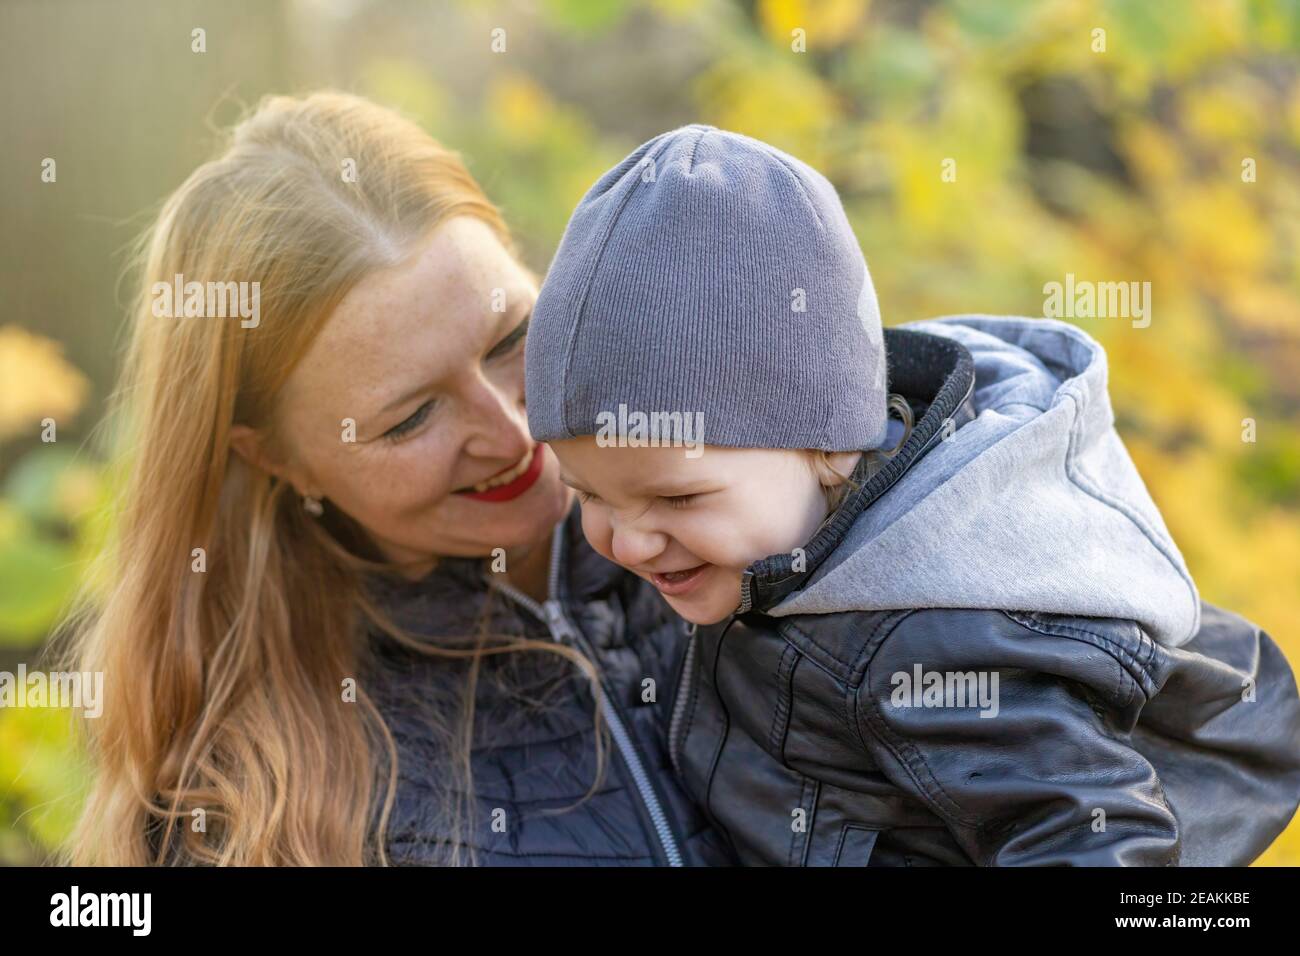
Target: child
962, 635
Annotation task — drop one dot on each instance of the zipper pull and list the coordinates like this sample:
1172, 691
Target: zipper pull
558, 624
746, 597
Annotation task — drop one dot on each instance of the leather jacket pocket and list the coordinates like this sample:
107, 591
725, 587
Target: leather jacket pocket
855, 845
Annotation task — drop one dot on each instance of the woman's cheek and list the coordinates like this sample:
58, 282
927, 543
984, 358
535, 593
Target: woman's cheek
418, 469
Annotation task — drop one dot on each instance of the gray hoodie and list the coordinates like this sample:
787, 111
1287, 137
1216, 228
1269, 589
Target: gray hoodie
1035, 505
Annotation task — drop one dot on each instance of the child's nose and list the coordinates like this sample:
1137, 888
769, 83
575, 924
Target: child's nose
633, 547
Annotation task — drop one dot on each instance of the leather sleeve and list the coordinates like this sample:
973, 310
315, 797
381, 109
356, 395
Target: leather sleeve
1048, 776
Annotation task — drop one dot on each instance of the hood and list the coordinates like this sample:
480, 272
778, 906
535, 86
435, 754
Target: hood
1033, 505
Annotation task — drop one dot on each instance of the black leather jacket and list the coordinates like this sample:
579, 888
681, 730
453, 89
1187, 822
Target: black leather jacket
796, 736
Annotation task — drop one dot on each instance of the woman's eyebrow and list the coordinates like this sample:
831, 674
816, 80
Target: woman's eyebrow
519, 330
402, 399
513, 336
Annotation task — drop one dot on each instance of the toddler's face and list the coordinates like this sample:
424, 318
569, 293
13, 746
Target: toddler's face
690, 526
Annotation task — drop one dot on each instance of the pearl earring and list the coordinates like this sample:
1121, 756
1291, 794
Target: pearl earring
312, 506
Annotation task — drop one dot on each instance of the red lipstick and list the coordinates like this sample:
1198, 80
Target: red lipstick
513, 489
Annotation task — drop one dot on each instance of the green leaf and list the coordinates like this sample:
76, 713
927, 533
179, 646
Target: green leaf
585, 16
37, 578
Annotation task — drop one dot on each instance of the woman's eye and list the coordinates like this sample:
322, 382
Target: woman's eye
408, 425
512, 342
678, 501
585, 496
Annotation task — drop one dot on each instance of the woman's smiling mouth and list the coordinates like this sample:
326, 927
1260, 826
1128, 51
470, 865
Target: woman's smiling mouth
511, 483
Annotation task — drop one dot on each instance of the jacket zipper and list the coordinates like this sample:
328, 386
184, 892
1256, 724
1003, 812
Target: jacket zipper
746, 592
679, 703
562, 630
747, 576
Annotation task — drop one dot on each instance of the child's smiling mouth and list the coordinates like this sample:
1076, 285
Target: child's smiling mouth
677, 583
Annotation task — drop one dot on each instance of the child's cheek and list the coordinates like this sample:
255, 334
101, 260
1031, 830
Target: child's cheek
716, 536
596, 529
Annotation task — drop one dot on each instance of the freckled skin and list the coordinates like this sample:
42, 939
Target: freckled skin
748, 503
426, 326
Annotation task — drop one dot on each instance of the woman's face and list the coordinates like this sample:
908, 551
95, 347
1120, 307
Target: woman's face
428, 360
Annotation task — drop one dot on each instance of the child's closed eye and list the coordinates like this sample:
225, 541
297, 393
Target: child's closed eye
674, 501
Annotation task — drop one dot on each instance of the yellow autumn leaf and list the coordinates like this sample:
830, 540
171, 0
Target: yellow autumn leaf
1265, 308
1224, 112
781, 105
1218, 230
1153, 153
36, 382
519, 108
826, 23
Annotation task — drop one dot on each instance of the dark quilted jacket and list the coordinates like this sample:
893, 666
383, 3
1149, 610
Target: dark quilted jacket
534, 745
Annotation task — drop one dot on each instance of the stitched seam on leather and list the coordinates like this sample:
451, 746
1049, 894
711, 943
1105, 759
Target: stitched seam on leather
851, 667
792, 852
851, 712
809, 803
913, 762
1151, 649
839, 845
1124, 657
725, 719
869, 647
813, 646
776, 735
1127, 662
849, 729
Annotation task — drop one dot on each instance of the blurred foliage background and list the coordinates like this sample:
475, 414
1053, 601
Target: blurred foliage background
1115, 156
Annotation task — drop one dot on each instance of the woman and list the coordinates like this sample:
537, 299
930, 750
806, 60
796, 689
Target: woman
345, 618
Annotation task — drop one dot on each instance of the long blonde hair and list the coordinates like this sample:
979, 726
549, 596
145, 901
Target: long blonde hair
223, 698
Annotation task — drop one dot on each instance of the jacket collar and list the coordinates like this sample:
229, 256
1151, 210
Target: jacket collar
937, 377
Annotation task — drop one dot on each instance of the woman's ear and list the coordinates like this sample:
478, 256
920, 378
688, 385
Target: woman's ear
249, 444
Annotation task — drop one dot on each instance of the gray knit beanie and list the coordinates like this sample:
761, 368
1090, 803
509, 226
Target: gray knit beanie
711, 276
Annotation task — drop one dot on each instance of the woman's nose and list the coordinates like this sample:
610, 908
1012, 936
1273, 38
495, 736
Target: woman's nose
497, 422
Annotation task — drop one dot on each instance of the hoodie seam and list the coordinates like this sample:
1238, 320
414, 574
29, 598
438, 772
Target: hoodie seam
919, 502
1075, 474
830, 536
